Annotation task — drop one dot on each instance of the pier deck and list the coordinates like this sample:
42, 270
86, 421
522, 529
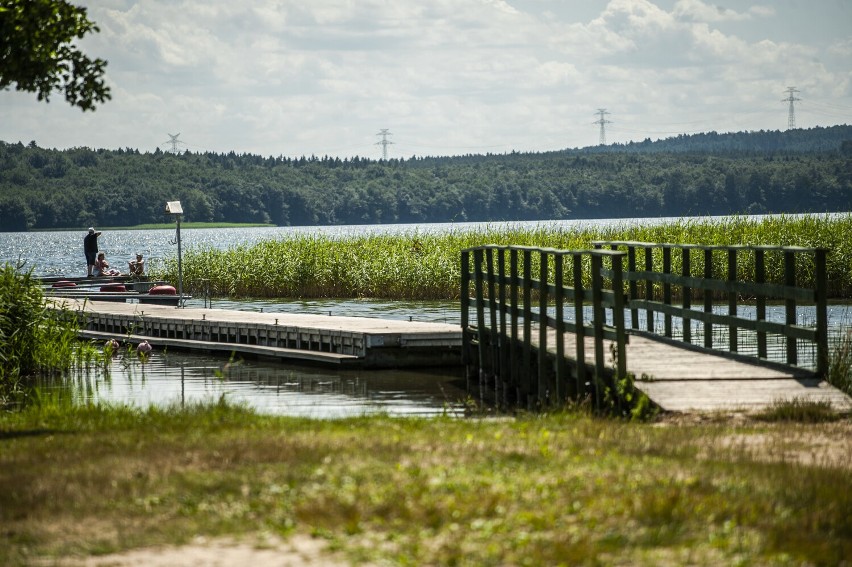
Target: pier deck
680, 378
350, 341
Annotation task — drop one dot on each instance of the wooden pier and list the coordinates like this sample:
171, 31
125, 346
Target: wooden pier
544, 326
337, 341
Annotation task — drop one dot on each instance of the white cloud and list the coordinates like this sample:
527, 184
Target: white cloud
445, 76
696, 10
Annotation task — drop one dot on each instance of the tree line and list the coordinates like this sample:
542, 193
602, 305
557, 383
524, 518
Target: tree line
795, 171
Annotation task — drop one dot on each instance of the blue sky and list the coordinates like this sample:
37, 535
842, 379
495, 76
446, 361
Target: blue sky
445, 77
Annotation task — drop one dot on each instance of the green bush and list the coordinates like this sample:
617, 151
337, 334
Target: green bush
33, 337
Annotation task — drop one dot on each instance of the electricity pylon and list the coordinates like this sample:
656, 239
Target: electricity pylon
602, 121
384, 143
791, 113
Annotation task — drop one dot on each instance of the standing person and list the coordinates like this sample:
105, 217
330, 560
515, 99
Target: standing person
90, 248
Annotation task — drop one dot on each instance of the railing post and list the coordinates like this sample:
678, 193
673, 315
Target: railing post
465, 306
580, 333
492, 320
527, 316
732, 299
686, 271
821, 312
542, 326
633, 286
760, 306
708, 297
559, 299
790, 304
618, 314
598, 322
480, 317
667, 289
513, 315
649, 288
504, 355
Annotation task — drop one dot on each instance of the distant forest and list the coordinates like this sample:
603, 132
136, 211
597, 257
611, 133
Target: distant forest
795, 171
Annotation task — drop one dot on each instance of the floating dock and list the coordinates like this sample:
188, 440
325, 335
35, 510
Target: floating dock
337, 341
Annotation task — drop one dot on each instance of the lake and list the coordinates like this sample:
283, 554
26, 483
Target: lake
169, 378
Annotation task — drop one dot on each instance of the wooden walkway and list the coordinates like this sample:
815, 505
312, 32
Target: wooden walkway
350, 341
673, 375
680, 378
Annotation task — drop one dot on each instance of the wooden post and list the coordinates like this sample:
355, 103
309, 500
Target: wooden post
760, 306
527, 316
465, 306
559, 299
667, 289
708, 297
579, 293
504, 347
649, 288
617, 262
598, 319
732, 299
542, 327
513, 316
633, 285
686, 271
821, 312
493, 346
790, 304
480, 316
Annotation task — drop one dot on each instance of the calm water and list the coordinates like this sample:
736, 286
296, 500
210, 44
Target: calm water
169, 378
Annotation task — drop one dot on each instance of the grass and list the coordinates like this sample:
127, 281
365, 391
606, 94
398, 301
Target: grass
564, 488
420, 266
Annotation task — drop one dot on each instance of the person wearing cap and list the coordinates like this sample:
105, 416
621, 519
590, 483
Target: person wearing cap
90, 248
137, 266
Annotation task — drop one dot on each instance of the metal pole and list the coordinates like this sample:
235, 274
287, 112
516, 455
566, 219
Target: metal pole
180, 265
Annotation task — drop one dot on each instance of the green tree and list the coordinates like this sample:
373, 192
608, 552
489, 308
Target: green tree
37, 53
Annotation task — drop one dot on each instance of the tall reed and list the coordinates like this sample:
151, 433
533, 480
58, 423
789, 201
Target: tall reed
33, 338
419, 265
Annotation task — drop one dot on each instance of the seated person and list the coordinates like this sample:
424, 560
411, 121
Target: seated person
137, 266
102, 267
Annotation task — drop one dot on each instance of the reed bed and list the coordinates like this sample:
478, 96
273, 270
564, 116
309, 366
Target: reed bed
421, 266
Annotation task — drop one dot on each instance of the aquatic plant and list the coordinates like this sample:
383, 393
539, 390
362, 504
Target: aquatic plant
421, 266
33, 337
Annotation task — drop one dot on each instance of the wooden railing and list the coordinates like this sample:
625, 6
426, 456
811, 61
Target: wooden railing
664, 279
514, 288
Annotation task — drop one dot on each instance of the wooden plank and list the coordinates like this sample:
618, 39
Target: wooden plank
682, 378
720, 395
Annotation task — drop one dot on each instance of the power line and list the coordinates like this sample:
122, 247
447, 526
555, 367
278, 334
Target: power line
791, 113
602, 121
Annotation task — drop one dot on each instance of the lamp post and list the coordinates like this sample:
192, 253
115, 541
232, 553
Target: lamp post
174, 208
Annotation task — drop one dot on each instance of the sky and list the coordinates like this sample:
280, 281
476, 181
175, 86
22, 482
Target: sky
444, 77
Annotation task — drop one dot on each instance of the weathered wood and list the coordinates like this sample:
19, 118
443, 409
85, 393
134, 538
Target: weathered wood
679, 379
373, 343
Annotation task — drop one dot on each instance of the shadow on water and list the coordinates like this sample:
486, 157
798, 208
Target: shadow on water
169, 378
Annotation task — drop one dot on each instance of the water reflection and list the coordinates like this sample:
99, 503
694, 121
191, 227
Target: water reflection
182, 378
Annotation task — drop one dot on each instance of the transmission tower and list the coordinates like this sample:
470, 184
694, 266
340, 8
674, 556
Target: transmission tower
174, 142
602, 121
791, 113
384, 143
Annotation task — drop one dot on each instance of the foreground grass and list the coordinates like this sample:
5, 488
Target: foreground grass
560, 489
